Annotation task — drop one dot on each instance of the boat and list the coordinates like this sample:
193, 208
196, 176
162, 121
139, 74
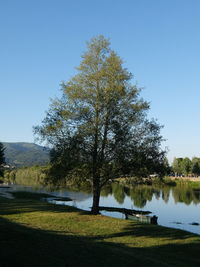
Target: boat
142, 218
135, 215
123, 210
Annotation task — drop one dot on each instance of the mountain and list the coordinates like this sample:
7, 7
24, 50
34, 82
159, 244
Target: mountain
25, 154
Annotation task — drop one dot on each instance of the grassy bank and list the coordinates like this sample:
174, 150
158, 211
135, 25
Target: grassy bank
35, 233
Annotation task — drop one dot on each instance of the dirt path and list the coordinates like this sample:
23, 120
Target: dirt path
192, 179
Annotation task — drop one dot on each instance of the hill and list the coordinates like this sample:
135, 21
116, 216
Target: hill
25, 154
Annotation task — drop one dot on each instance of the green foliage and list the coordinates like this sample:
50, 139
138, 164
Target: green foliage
25, 154
195, 168
99, 128
177, 166
186, 167
9, 176
35, 175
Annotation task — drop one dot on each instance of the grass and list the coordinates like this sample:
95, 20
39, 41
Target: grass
36, 233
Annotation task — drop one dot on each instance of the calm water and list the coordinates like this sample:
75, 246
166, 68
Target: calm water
176, 207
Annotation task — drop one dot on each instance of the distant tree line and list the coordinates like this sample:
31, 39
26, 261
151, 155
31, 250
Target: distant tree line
34, 175
186, 166
2, 159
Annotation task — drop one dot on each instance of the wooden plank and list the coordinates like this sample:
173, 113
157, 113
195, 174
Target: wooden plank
123, 210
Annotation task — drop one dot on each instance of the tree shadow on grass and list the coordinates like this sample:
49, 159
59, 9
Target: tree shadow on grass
9, 207
137, 229
23, 246
22, 206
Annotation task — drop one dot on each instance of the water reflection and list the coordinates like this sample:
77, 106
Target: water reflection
139, 195
176, 206
185, 194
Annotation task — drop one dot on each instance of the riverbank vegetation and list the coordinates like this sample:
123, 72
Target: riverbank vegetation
39, 175
35, 233
35, 175
183, 191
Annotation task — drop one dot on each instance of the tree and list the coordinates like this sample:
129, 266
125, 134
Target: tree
99, 128
2, 158
186, 166
177, 166
195, 168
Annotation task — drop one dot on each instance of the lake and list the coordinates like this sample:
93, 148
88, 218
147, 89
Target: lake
176, 206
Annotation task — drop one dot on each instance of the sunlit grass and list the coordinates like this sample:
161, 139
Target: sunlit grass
66, 236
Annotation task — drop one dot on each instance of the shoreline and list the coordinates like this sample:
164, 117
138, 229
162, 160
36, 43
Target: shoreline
190, 179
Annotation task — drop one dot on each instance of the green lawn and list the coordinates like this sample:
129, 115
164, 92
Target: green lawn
35, 233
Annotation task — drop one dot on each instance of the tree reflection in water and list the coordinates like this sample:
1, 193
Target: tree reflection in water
140, 194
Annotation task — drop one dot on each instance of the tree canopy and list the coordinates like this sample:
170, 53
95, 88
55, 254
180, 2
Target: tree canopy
99, 128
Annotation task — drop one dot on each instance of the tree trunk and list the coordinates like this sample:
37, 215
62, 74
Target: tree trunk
96, 196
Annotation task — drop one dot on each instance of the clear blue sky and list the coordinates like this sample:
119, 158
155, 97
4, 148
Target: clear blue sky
41, 42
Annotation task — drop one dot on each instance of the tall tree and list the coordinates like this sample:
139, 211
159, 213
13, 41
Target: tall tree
177, 166
99, 128
195, 169
2, 158
187, 165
